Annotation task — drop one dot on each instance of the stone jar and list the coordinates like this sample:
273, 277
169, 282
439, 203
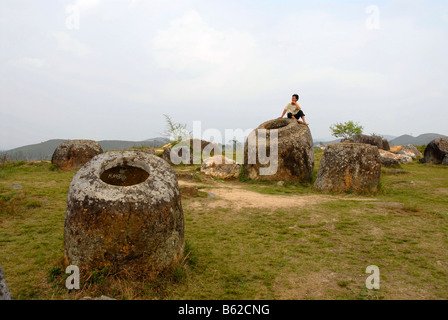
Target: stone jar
124, 211
436, 152
349, 167
295, 152
72, 154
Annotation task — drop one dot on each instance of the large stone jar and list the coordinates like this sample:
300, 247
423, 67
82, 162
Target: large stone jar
72, 154
295, 160
349, 167
124, 211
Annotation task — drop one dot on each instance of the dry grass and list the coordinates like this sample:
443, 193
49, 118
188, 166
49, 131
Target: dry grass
253, 240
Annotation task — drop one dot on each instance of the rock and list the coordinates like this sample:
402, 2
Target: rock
411, 151
124, 211
16, 186
372, 140
389, 159
402, 158
221, 167
190, 151
211, 195
436, 151
281, 183
166, 155
73, 154
4, 291
349, 167
390, 162
386, 145
395, 148
294, 159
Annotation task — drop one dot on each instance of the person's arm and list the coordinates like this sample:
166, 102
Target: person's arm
284, 112
297, 105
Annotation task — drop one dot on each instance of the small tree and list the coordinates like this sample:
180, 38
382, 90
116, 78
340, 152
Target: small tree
346, 130
376, 135
175, 131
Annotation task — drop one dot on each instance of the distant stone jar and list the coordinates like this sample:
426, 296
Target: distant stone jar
411, 151
349, 167
294, 160
190, 151
124, 211
372, 140
73, 154
386, 145
436, 152
221, 167
389, 159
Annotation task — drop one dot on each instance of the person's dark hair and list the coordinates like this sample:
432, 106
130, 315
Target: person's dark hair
296, 95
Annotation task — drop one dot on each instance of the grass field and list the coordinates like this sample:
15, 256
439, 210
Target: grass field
297, 244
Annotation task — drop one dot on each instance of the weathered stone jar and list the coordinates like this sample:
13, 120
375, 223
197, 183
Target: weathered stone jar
349, 167
124, 211
72, 154
436, 152
221, 167
295, 159
372, 140
195, 148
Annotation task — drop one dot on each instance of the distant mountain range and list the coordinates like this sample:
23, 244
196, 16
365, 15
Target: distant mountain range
416, 141
45, 150
405, 139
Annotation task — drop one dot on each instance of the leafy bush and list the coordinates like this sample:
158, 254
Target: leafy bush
346, 130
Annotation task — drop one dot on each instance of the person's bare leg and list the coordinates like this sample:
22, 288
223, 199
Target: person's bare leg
304, 121
298, 121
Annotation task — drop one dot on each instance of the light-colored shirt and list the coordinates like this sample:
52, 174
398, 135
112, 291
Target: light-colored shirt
291, 108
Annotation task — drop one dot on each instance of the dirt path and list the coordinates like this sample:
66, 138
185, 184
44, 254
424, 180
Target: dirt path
230, 194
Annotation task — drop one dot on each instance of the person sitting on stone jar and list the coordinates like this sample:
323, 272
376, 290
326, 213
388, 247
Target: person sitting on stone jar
294, 111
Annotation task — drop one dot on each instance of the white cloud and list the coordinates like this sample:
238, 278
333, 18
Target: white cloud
346, 78
26, 62
208, 62
74, 46
143, 97
100, 7
190, 44
85, 5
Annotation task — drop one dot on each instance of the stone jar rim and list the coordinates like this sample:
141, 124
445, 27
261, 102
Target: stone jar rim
159, 185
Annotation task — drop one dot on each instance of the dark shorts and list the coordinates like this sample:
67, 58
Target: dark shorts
297, 116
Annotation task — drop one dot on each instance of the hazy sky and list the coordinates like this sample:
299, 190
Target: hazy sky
110, 69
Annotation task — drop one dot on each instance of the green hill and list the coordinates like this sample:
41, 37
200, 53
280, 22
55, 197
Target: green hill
416, 141
45, 150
